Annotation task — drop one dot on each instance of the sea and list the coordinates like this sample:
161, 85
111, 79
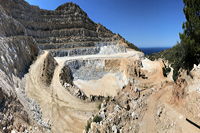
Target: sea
151, 50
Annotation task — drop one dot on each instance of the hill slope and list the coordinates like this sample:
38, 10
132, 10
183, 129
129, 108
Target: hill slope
66, 27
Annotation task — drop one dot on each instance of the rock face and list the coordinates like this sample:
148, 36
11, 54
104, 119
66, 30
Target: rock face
66, 75
65, 28
9, 26
49, 66
17, 52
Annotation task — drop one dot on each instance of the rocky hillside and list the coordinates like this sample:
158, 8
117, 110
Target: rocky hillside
17, 53
65, 28
13, 61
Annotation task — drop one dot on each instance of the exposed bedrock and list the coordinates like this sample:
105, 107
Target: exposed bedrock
103, 76
66, 76
9, 26
87, 69
75, 51
13, 60
112, 49
96, 68
49, 66
104, 50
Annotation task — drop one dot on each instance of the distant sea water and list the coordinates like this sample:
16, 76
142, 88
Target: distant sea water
151, 50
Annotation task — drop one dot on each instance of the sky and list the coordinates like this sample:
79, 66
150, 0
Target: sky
145, 23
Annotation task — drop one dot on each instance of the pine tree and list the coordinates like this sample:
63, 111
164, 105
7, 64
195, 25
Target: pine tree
190, 39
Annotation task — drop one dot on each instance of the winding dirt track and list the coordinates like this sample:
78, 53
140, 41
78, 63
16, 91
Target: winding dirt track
66, 113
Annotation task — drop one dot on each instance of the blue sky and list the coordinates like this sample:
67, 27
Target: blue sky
145, 23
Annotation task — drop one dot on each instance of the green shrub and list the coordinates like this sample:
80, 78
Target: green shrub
186, 53
175, 56
97, 119
166, 71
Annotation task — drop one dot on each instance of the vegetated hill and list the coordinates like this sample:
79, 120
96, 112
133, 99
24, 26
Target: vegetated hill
67, 26
186, 53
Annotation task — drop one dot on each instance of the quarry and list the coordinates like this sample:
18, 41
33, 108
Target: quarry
60, 72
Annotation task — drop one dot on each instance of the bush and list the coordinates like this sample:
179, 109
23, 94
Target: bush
175, 56
97, 119
186, 53
166, 71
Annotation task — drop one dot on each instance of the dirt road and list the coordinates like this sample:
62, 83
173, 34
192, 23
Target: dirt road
66, 113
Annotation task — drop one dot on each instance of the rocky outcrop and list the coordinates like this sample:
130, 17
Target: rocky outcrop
179, 91
49, 66
66, 76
